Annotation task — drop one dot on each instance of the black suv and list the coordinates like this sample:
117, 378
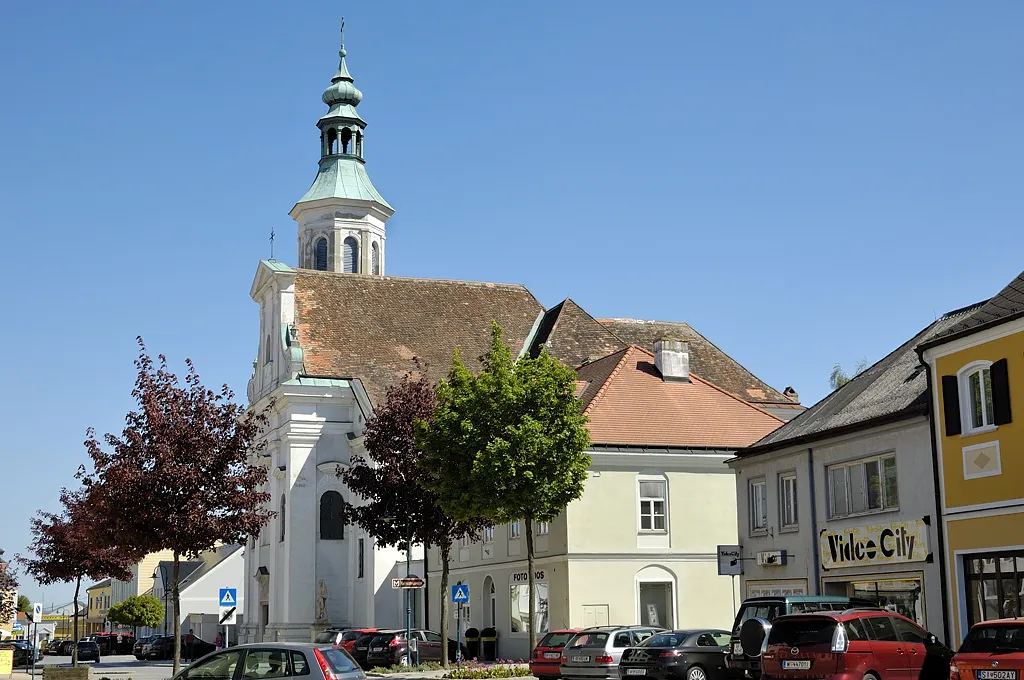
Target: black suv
746, 663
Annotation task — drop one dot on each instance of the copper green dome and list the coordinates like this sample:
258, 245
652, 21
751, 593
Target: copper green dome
341, 89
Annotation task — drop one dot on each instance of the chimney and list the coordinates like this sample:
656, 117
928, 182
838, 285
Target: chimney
792, 394
672, 359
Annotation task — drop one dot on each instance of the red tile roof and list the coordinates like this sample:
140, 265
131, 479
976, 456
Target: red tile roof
628, 403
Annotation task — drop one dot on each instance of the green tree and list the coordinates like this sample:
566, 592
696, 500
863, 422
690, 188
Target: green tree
24, 604
507, 444
839, 377
138, 610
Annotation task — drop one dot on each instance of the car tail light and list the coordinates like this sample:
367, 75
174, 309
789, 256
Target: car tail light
954, 672
324, 666
394, 642
604, 659
840, 642
674, 652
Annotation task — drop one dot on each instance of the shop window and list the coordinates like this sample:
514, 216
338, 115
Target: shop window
519, 607
653, 505
787, 501
864, 486
994, 582
901, 595
758, 505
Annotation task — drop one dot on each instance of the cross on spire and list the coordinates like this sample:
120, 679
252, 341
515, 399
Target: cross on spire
271, 243
343, 33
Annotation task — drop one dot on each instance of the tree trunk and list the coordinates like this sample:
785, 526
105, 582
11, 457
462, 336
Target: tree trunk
177, 616
74, 625
446, 551
533, 587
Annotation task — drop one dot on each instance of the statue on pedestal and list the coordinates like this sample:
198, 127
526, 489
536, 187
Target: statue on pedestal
321, 602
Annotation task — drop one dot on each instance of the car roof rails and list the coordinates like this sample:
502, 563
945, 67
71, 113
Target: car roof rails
853, 610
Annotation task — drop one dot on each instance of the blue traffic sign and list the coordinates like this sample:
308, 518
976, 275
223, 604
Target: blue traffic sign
228, 597
460, 593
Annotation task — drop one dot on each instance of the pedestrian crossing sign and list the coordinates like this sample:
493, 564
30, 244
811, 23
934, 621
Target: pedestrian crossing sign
460, 593
228, 597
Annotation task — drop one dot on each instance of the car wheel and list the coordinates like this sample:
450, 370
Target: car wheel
870, 676
696, 673
403, 660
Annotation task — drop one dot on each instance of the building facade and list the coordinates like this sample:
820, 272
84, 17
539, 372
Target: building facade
98, 597
143, 577
977, 367
639, 546
841, 500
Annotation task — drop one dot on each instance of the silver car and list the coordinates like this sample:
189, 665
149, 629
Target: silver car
595, 652
274, 660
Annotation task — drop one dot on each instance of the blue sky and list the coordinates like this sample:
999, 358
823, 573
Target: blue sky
804, 183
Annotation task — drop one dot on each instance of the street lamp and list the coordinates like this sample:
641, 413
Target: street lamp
161, 570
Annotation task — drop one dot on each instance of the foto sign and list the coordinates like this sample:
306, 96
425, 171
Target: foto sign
729, 560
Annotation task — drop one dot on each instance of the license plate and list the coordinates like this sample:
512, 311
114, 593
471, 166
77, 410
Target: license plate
581, 659
636, 671
997, 675
551, 655
377, 649
796, 665
361, 649
737, 648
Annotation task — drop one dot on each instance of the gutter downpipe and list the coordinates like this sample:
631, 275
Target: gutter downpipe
940, 526
814, 522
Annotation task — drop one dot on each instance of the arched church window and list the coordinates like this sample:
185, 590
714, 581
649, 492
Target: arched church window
346, 139
320, 256
332, 516
375, 258
266, 350
332, 141
350, 256
281, 517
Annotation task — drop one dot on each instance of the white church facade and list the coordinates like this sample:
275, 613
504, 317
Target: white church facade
335, 333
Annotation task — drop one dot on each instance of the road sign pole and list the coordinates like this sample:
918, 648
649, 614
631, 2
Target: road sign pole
458, 638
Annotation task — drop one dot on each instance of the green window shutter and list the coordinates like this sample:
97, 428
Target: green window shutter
1000, 377
951, 405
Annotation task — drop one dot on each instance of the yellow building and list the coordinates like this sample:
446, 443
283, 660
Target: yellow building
977, 374
99, 603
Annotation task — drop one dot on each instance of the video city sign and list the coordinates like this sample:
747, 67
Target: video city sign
885, 543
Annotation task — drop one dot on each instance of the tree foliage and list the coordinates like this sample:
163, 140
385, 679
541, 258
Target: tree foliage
181, 475
8, 586
394, 508
137, 611
507, 444
839, 377
24, 604
79, 543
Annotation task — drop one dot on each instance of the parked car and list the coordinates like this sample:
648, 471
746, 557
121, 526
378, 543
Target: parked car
275, 660
547, 656
745, 660
162, 647
342, 637
595, 652
88, 650
53, 647
140, 643
392, 649
851, 645
361, 647
678, 655
992, 650
65, 647
113, 642
23, 651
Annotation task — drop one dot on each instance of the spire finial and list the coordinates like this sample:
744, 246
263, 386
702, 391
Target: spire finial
343, 34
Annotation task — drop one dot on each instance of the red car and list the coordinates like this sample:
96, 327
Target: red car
855, 644
545, 660
344, 638
992, 650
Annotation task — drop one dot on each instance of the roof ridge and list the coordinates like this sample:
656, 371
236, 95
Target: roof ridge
608, 380
418, 279
596, 320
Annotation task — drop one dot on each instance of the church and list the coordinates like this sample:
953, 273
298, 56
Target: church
336, 330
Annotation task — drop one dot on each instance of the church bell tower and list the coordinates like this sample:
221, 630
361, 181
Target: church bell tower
342, 218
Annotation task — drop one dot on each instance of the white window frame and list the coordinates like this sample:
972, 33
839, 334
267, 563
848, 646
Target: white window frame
543, 528
515, 529
642, 500
465, 541
846, 466
488, 534
963, 381
756, 504
788, 488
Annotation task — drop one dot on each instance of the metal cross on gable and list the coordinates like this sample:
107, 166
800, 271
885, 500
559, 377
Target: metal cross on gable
271, 243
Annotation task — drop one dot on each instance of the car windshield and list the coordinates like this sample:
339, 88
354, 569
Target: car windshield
663, 640
988, 639
800, 632
555, 640
589, 640
757, 610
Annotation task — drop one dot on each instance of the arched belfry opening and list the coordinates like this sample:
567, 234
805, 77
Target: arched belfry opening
332, 141
346, 140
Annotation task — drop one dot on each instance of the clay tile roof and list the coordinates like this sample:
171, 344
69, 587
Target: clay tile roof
706, 360
371, 327
628, 403
573, 336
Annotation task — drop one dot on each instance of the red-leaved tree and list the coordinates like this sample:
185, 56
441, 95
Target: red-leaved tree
76, 544
8, 588
183, 475
396, 510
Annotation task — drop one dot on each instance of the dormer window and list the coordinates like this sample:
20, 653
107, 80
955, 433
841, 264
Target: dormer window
320, 255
